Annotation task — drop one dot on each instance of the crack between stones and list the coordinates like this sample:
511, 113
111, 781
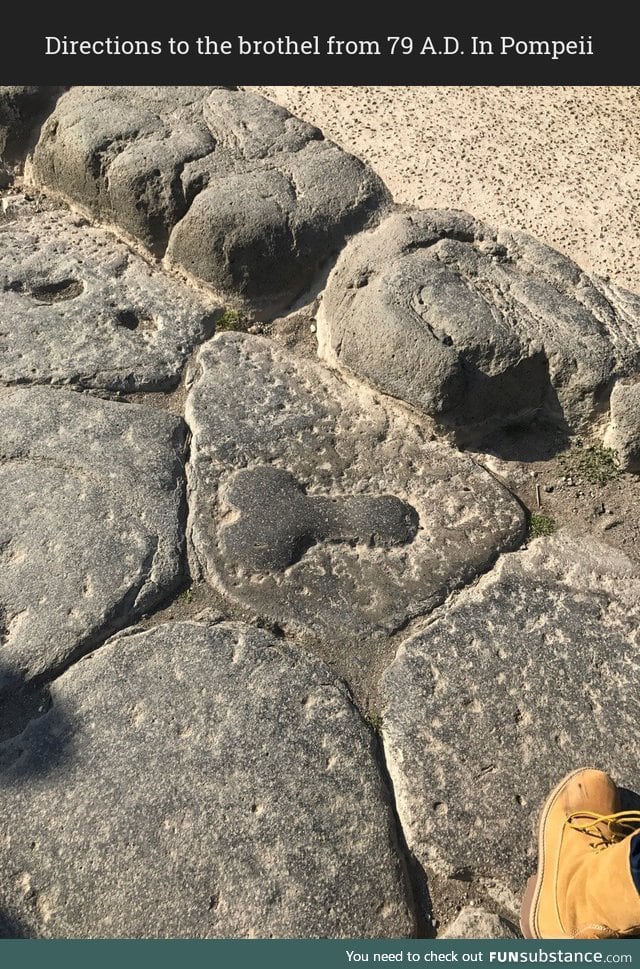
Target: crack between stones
415, 877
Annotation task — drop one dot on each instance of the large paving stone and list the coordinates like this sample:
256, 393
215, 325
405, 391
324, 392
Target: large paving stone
476, 327
198, 782
316, 506
233, 188
78, 307
21, 110
92, 499
528, 675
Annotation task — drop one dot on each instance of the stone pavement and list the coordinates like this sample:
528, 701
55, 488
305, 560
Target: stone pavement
276, 659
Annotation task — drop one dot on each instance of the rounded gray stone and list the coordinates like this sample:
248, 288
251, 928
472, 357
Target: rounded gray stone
78, 307
623, 432
234, 189
528, 675
317, 506
476, 327
198, 782
92, 494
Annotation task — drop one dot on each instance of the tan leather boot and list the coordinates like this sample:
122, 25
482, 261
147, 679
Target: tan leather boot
584, 888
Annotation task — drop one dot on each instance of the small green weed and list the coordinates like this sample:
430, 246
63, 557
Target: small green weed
540, 525
595, 464
374, 719
187, 596
232, 320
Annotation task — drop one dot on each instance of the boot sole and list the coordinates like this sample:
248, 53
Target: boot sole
534, 884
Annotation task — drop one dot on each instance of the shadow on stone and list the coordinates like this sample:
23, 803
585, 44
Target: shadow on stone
29, 746
23, 111
12, 928
539, 434
525, 442
21, 701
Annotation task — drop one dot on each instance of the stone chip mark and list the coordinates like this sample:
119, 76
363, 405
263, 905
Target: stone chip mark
278, 521
47, 291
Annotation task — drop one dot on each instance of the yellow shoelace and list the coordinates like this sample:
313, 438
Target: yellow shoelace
616, 826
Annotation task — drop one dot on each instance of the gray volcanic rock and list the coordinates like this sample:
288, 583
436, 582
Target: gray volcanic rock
623, 433
233, 188
530, 674
21, 109
78, 307
198, 782
313, 504
476, 327
92, 499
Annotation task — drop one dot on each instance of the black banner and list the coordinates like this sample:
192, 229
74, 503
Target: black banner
394, 46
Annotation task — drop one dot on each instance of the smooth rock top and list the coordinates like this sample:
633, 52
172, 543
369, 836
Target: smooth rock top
91, 532
476, 327
319, 507
234, 189
78, 307
198, 782
528, 675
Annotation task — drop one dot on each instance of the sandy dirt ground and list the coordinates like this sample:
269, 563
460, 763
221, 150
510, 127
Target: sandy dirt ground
560, 162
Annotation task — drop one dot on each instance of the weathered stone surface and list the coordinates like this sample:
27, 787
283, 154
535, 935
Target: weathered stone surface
476, 327
233, 188
198, 782
477, 923
623, 433
21, 110
530, 674
316, 506
78, 307
91, 532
